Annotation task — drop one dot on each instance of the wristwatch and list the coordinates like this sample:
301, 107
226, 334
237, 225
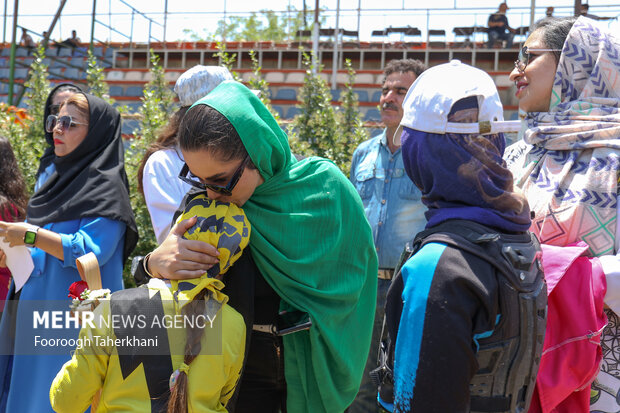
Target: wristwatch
30, 237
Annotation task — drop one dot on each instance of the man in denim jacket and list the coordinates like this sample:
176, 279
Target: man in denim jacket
391, 201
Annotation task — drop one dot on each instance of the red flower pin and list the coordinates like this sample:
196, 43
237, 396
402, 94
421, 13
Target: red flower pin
76, 289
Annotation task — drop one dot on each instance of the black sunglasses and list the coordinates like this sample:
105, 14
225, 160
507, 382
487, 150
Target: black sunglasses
187, 177
524, 57
64, 122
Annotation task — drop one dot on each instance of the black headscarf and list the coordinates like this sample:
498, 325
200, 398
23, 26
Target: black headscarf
48, 154
90, 181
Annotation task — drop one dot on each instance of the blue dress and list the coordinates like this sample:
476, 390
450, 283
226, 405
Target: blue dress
25, 379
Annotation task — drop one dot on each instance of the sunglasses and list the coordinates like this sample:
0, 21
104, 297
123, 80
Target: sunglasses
64, 122
191, 179
524, 57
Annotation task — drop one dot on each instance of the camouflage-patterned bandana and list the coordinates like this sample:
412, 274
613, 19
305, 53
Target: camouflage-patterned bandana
222, 225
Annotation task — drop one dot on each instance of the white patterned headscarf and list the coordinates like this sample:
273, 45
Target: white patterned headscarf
568, 162
198, 81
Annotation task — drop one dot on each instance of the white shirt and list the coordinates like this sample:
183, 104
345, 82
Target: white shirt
163, 190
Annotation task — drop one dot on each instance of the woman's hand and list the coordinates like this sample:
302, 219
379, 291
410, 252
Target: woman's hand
2, 259
49, 241
178, 258
13, 232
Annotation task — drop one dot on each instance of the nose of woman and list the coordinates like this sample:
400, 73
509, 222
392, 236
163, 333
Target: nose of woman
58, 129
515, 74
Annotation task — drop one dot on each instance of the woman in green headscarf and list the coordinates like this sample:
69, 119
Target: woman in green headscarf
310, 241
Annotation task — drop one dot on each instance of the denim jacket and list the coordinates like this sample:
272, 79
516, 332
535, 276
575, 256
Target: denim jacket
392, 202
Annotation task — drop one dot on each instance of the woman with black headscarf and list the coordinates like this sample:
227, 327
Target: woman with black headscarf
57, 96
81, 204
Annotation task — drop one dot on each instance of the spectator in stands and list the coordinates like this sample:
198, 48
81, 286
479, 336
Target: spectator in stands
311, 249
73, 40
158, 175
498, 27
567, 167
391, 202
549, 12
80, 205
13, 200
26, 40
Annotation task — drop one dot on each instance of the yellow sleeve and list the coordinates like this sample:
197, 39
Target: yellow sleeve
238, 346
81, 377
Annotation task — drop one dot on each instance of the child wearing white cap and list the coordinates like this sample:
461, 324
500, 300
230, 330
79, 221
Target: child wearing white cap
465, 314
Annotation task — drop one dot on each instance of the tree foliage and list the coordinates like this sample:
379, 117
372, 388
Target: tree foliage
320, 130
157, 103
157, 106
266, 25
257, 82
314, 131
227, 59
25, 131
37, 89
351, 124
96, 79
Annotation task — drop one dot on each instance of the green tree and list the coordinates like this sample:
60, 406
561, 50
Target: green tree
227, 59
157, 106
96, 79
25, 130
257, 82
37, 90
319, 130
251, 26
352, 128
315, 130
158, 101
266, 25
226, 30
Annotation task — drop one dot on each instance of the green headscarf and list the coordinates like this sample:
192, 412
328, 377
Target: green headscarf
313, 244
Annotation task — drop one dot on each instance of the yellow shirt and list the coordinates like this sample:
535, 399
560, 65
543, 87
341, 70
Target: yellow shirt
211, 377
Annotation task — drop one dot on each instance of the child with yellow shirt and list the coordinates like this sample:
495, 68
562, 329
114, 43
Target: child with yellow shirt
174, 346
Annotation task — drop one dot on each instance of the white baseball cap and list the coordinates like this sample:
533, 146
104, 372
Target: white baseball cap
198, 81
430, 99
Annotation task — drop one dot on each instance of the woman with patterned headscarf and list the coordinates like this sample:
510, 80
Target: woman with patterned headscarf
311, 247
567, 166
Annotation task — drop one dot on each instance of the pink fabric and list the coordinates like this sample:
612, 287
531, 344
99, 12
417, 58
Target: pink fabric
572, 351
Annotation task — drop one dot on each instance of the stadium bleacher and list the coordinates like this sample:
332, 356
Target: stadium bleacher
126, 70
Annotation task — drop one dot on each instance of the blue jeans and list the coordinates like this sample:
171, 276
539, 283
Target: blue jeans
493, 36
366, 399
